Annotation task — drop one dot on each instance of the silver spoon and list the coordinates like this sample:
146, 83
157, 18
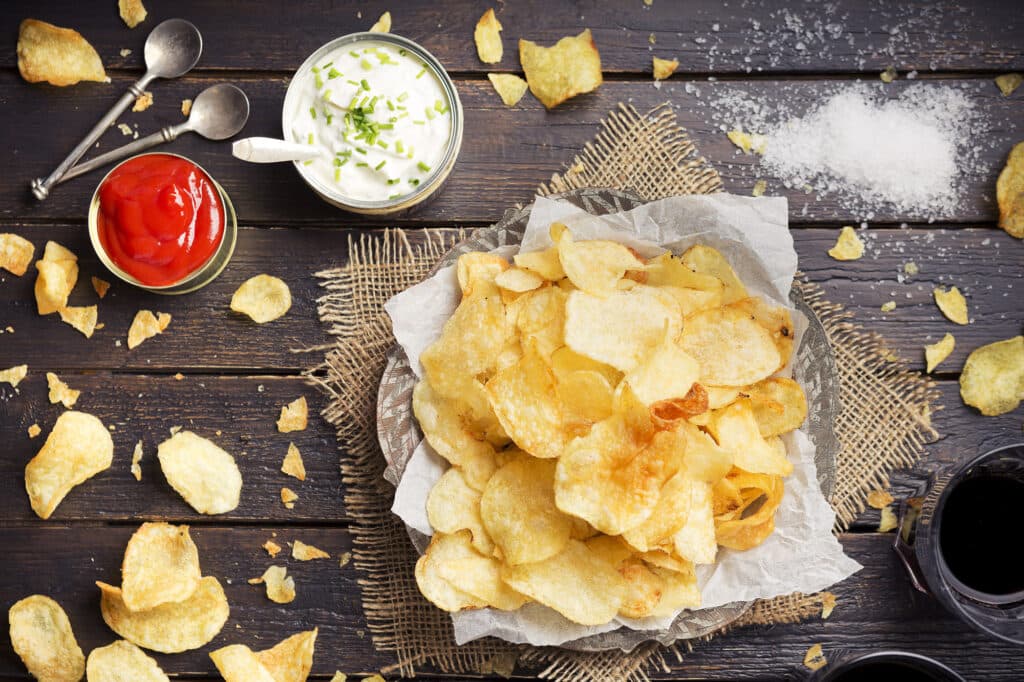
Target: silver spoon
172, 49
219, 112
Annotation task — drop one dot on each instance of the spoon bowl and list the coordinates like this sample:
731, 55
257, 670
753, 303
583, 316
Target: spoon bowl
219, 112
172, 48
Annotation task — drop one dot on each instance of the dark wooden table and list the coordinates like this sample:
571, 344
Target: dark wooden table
237, 375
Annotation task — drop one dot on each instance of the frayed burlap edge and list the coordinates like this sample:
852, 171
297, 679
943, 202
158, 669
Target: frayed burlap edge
883, 426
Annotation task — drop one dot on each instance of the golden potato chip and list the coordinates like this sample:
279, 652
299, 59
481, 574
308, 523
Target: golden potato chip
202, 473
238, 663
288, 497
143, 101
382, 25
58, 273
828, 604
186, 107
736, 429
705, 260
509, 87
122, 661
146, 325
887, 520
291, 659
487, 36
15, 253
339, 677
776, 319
161, 565
453, 505
539, 317
576, 582
668, 517
668, 414
594, 266
82, 318
586, 397
14, 375
571, 67
779, 405
444, 429
695, 541
643, 589
136, 458
132, 12
475, 574
78, 448
60, 392
524, 398
34, 431
280, 585
748, 142
879, 499
693, 291
888, 306
934, 353
622, 328
815, 659
303, 552
263, 298
518, 280
848, 246
1010, 193
666, 372
519, 513
663, 68
100, 286
952, 304
740, 529
169, 628
731, 348
477, 271
292, 464
704, 460
294, 416
273, 549
41, 635
545, 263
720, 396
1009, 82
438, 591
59, 56
993, 377
679, 590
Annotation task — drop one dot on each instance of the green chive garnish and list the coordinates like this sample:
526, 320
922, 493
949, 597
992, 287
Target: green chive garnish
354, 53
414, 182
395, 196
404, 96
365, 64
316, 69
312, 112
360, 150
319, 81
362, 164
430, 113
382, 144
308, 162
392, 181
423, 167
391, 106
439, 106
399, 147
310, 139
333, 73
380, 165
337, 174
365, 85
421, 73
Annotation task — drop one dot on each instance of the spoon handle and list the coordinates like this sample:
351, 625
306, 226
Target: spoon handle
166, 134
41, 187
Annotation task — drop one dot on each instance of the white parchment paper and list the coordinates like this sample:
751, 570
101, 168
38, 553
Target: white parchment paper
802, 555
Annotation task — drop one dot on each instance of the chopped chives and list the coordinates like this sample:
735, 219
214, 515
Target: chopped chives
430, 113
343, 162
399, 147
337, 174
365, 85
404, 96
307, 162
395, 196
327, 94
439, 106
402, 51
361, 164
365, 64
354, 53
373, 103
391, 106
316, 69
392, 181
380, 165
423, 71
319, 81
419, 123
329, 117
337, 162
401, 107
386, 126
360, 150
414, 182
423, 167
333, 73
382, 144
312, 112
309, 140
412, 149
327, 65
352, 82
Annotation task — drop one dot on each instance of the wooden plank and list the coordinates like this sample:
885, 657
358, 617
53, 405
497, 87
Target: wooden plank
877, 607
706, 36
506, 153
206, 336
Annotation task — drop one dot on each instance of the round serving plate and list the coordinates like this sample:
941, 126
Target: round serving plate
813, 366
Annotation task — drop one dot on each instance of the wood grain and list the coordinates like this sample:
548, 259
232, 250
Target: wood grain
506, 153
706, 36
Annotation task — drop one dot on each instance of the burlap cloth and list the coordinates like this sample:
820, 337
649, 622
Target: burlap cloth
883, 425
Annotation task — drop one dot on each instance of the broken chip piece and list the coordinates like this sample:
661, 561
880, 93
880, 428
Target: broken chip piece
888, 520
815, 659
1009, 82
571, 67
937, 352
13, 375
263, 298
60, 392
146, 325
828, 604
293, 465
952, 304
58, 272
100, 286
77, 448
58, 56
273, 549
201, 472
132, 12
993, 377
509, 87
82, 318
879, 499
34, 431
294, 416
303, 552
487, 36
161, 565
848, 246
1010, 193
15, 253
291, 659
121, 661
41, 635
663, 68
238, 663
280, 585
382, 25
288, 497
136, 458
748, 142
143, 101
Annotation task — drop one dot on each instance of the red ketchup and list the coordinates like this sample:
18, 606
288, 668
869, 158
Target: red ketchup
160, 218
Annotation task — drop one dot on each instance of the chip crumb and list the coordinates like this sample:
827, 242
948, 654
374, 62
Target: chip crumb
663, 68
125, 129
382, 25
848, 246
888, 521
125, 52
146, 325
888, 306
293, 465
136, 458
648, 2
143, 101
132, 11
178, 377
294, 416
218, 432
828, 604
815, 659
652, 39
952, 304
344, 559
280, 585
13, 375
61, 392
339, 677
879, 499
9, 329
273, 549
759, 188
303, 552
373, 678
935, 353
186, 107
34, 431
288, 497
111, 428
889, 74
1008, 82
748, 142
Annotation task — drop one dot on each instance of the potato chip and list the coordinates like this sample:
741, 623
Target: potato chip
453, 505
748, 142
59, 56
666, 372
41, 635
169, 628
122, 661
736, 429
731, 348
263, 298
77, 448
60, 392
776, 319
540, 317
879, 499
668, 517
58, 273
132, 12
705, 260
292, 464
280, 585
524, 398
594, 266
161, 565
576, 582
303, 552
643, 588
382, 25
1010, 193
476, 272
518, 280
14, 375
667, 270
934, 353
815, 659
82, 318
741, 530
438, 591
475, 574
143, 101
34, 430
273, 549
294, 416
887, 521
186, 107
444, 429
238, 663
136, 458
703, 459
667, 414
545, 263
828, 604
679, 590
888, 306
586, 398
288, 498
339, 677
146, 325
695, 541
992, 379
291, 659
848, 246
622, 328
519, 513
1008, 83
15, 253
509, 87
487, 36
100, 286
720, 396
203, 474
952, 304
663, 68
779, 405
571, 67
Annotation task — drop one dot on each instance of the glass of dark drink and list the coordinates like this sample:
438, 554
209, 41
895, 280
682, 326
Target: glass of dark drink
961, 541
887, 665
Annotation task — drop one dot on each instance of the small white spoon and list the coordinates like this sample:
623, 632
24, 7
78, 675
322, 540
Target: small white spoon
272, 150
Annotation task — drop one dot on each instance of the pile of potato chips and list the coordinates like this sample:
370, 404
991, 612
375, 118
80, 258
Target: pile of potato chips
610, 423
